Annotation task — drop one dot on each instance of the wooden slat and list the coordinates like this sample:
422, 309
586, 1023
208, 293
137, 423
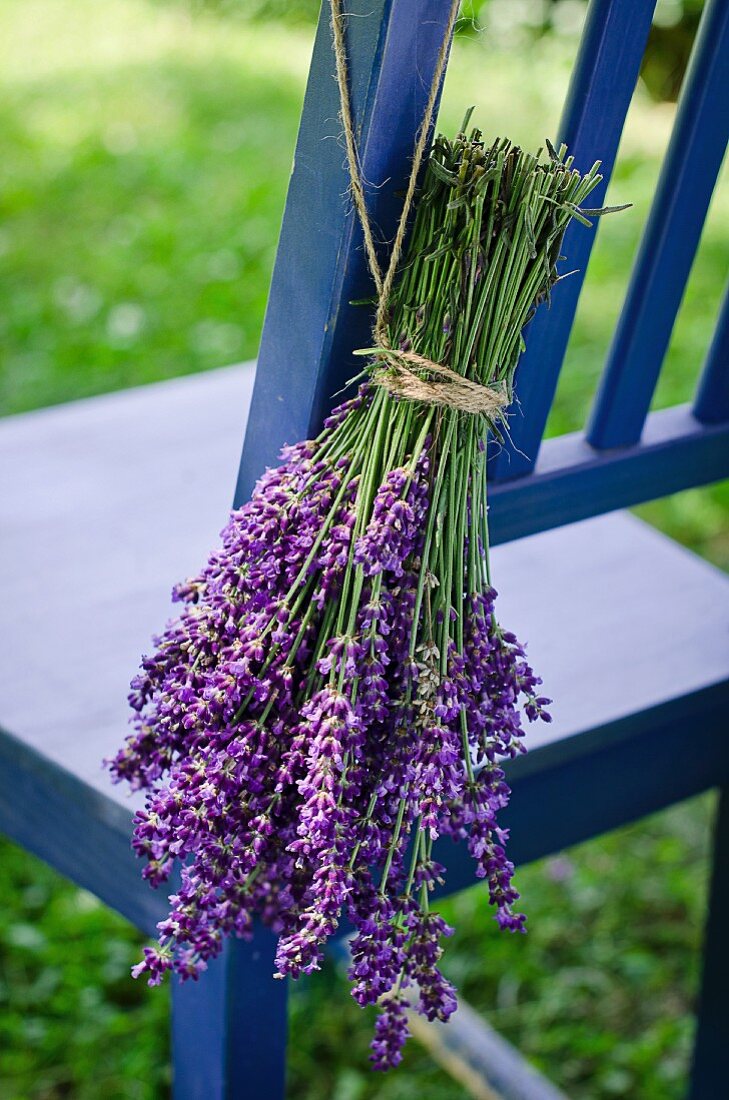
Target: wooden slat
310, 328
712, 398
608, 62
670, 240
229, 1028
710, 1066
573, 481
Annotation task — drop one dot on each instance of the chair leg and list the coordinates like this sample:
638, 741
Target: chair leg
229, 1028
710, 1069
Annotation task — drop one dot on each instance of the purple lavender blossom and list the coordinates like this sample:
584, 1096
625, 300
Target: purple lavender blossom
397, 515
391, 1033
322, 709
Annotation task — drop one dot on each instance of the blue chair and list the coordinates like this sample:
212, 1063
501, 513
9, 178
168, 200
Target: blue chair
118, 496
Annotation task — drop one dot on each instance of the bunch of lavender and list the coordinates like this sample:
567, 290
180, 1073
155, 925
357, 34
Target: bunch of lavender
337, 691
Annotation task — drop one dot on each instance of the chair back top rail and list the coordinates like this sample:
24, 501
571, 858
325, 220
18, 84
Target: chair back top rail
311, 328
670, 240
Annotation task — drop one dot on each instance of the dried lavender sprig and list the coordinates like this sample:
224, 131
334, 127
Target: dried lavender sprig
337, 691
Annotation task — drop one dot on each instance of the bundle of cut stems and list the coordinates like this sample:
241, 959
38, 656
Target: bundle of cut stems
337, 691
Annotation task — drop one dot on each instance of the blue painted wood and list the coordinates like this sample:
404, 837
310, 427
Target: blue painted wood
573, 481
310, 328
80, 831
670, 239
229, 1028
710, 1069
712, 398
605, 74
609, 775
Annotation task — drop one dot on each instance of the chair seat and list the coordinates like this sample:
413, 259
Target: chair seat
106, 502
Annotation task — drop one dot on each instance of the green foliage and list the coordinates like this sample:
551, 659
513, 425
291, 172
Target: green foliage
72, 1023
671, 37
139, 219
144, 154
599, 994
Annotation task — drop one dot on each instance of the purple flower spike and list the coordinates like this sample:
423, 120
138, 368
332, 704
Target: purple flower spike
397, 516
391, 1033
334, 694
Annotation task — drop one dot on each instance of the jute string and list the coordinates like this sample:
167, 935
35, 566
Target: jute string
399, 372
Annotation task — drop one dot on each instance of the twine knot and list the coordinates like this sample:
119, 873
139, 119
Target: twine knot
448, 389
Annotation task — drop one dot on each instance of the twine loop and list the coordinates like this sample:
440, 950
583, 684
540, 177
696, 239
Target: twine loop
401, 372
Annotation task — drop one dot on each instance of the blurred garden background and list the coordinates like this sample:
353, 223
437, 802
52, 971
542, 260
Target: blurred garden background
145, 147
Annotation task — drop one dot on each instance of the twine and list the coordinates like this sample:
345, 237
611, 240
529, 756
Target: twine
451, 389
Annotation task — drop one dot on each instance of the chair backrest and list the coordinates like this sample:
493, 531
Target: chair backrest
625, 454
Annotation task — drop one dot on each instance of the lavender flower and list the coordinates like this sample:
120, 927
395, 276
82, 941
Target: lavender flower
397, 515
324, 703
391, 1033
336, 691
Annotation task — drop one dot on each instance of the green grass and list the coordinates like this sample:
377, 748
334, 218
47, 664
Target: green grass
144, 156
599, 994
72, 1024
